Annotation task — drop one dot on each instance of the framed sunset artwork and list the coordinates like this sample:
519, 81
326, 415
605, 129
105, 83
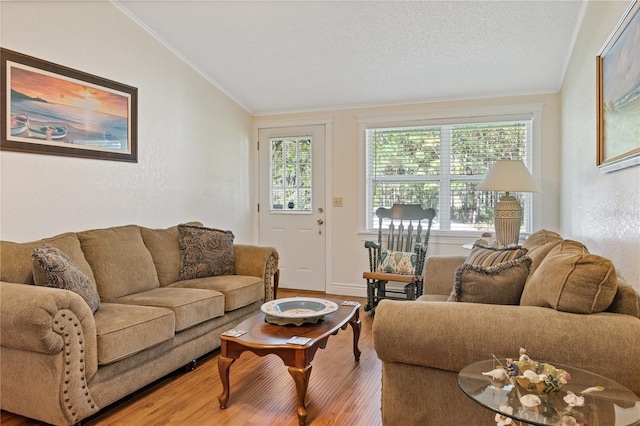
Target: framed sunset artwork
52, 109
618, 94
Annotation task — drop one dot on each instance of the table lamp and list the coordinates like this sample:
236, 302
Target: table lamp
508, 176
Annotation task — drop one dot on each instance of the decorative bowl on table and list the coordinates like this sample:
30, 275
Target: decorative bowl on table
536, 377
540, 377
297, 310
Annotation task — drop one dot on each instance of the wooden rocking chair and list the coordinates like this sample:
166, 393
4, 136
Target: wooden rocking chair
400, 258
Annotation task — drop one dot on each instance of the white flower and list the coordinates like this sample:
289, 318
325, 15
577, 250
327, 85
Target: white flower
504, 420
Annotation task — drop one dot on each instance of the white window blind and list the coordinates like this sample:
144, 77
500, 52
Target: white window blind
439, 165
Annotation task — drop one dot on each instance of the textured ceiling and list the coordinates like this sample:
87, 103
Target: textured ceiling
287, 56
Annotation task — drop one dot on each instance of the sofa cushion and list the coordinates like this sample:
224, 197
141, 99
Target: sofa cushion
238, 290
487, 256
124, 330
397, 262
500, 284
120, 261
165, 251
205, 252
190, 306
625, 301
539, 244
53, 268
16, 265
571, 279
164, 247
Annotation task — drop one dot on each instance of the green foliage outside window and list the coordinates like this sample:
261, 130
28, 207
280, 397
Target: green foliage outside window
291, 185
441, 166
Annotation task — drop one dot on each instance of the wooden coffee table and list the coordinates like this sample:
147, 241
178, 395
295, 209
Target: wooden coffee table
263, 338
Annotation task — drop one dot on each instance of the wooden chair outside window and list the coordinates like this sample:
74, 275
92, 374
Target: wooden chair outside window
399, 254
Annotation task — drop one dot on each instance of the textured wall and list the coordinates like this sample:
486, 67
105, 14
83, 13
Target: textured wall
193, 142
601, 210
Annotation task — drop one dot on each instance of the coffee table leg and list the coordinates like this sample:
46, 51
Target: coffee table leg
224, 364
355, 325
301, 377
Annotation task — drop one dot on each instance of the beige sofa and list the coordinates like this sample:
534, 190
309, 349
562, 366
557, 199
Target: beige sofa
61, 363
424, 344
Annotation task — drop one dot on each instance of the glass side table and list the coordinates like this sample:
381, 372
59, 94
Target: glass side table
615, 405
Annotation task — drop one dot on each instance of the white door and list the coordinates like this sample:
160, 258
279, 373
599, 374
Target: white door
292, 197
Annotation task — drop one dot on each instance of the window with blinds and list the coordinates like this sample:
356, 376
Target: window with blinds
440, 166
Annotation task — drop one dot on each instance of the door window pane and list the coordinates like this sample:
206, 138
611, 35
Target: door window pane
291, 174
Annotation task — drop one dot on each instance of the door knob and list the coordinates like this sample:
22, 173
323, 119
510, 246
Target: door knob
320, 221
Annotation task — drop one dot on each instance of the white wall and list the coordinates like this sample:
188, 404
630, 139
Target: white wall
194, 147
348, 257
598, 209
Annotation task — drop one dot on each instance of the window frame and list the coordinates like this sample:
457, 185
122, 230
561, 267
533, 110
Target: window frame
284, 188
456, 116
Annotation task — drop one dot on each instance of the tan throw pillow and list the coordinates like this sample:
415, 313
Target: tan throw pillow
205, 252
539, 244
397, 262
53, 268
488, 256
500, 284
571, 279
625, 301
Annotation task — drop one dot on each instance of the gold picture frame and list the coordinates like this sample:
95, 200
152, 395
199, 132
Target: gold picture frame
618, 94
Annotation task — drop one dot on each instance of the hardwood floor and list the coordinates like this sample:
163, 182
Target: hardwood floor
341, 391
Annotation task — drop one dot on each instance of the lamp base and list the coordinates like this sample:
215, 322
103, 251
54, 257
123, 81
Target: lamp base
508, 218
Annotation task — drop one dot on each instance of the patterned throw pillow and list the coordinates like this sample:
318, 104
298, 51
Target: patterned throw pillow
491, 274
53, 268
487, 256
397, 262
205, 252
500, 284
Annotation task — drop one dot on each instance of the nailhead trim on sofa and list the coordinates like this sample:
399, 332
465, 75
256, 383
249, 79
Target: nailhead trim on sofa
68, 326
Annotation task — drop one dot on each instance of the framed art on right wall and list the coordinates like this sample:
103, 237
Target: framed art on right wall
618, 94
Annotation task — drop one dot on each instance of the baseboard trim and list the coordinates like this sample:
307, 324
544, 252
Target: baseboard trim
349, 289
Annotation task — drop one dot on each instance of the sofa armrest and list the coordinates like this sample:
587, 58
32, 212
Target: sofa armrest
47, 339
439, 272
449, 336
258, 262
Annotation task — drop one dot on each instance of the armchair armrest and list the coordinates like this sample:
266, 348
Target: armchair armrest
374, 254
371, 244
449, 336
47, 339
258, 262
